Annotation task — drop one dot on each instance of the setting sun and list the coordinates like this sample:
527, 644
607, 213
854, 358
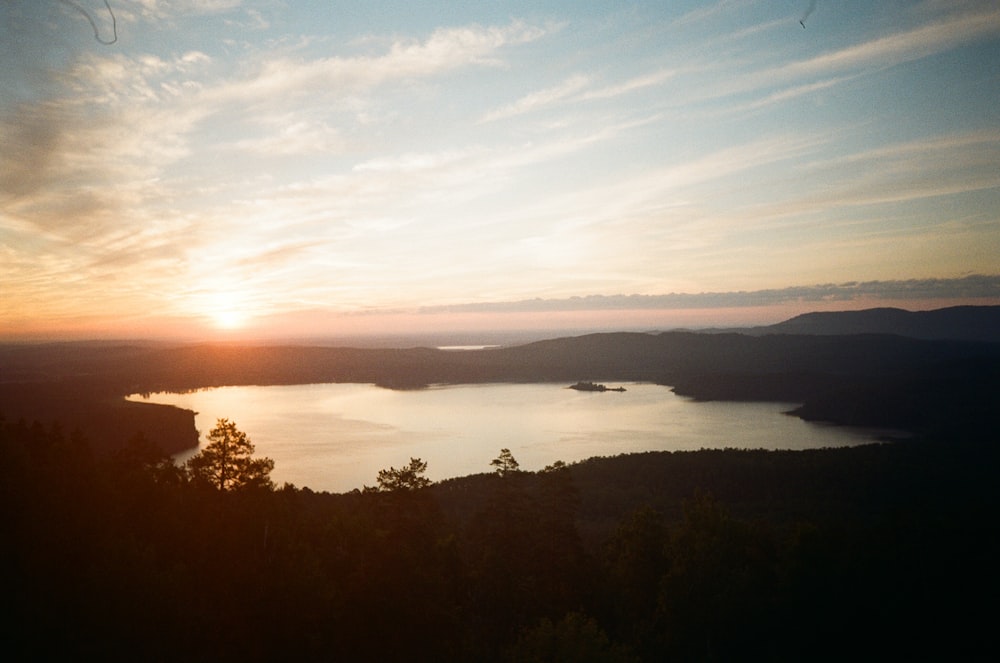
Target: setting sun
229, 319
224, 308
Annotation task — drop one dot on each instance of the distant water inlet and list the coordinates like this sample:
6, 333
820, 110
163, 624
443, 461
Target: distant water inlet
336, 437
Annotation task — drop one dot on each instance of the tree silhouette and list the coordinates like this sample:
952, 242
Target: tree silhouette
405, 478
505, 463
227, 463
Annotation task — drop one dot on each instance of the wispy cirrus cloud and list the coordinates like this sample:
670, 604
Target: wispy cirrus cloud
783, 96
96, 151
97, 147
575, 89
900, 172
539, 99
704, 13
919, 42
961, 146
630, 85
444, 50
167, 8
936, 34
288, 134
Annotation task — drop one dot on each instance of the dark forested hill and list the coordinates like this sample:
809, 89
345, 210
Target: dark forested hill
661, 357
969, 323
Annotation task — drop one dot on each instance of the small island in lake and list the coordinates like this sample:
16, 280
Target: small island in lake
593, 386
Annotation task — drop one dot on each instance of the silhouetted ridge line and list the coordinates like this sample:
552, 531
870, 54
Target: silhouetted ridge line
967, 323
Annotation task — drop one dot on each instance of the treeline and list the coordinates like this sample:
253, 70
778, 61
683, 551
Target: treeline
100, 411
619, 356
886, 551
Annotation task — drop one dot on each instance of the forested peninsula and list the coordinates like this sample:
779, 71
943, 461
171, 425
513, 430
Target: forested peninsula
880, 551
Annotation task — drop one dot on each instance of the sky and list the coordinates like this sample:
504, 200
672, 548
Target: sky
209, 169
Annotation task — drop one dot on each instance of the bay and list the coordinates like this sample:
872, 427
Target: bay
336, 437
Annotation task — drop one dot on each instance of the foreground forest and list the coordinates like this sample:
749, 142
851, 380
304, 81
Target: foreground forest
884, 551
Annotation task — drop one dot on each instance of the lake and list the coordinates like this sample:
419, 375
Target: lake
336, 437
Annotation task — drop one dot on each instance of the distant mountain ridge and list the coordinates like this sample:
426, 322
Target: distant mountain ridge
958, 323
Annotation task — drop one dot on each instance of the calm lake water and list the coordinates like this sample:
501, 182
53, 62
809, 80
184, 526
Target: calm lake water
336, 437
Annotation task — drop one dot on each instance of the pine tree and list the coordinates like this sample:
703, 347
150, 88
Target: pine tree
409, 477
505, 463
227, 463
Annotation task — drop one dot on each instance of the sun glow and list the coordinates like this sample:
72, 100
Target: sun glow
229, 319
225, 309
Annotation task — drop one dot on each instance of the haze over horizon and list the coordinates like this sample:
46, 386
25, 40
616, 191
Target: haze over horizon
243, 169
